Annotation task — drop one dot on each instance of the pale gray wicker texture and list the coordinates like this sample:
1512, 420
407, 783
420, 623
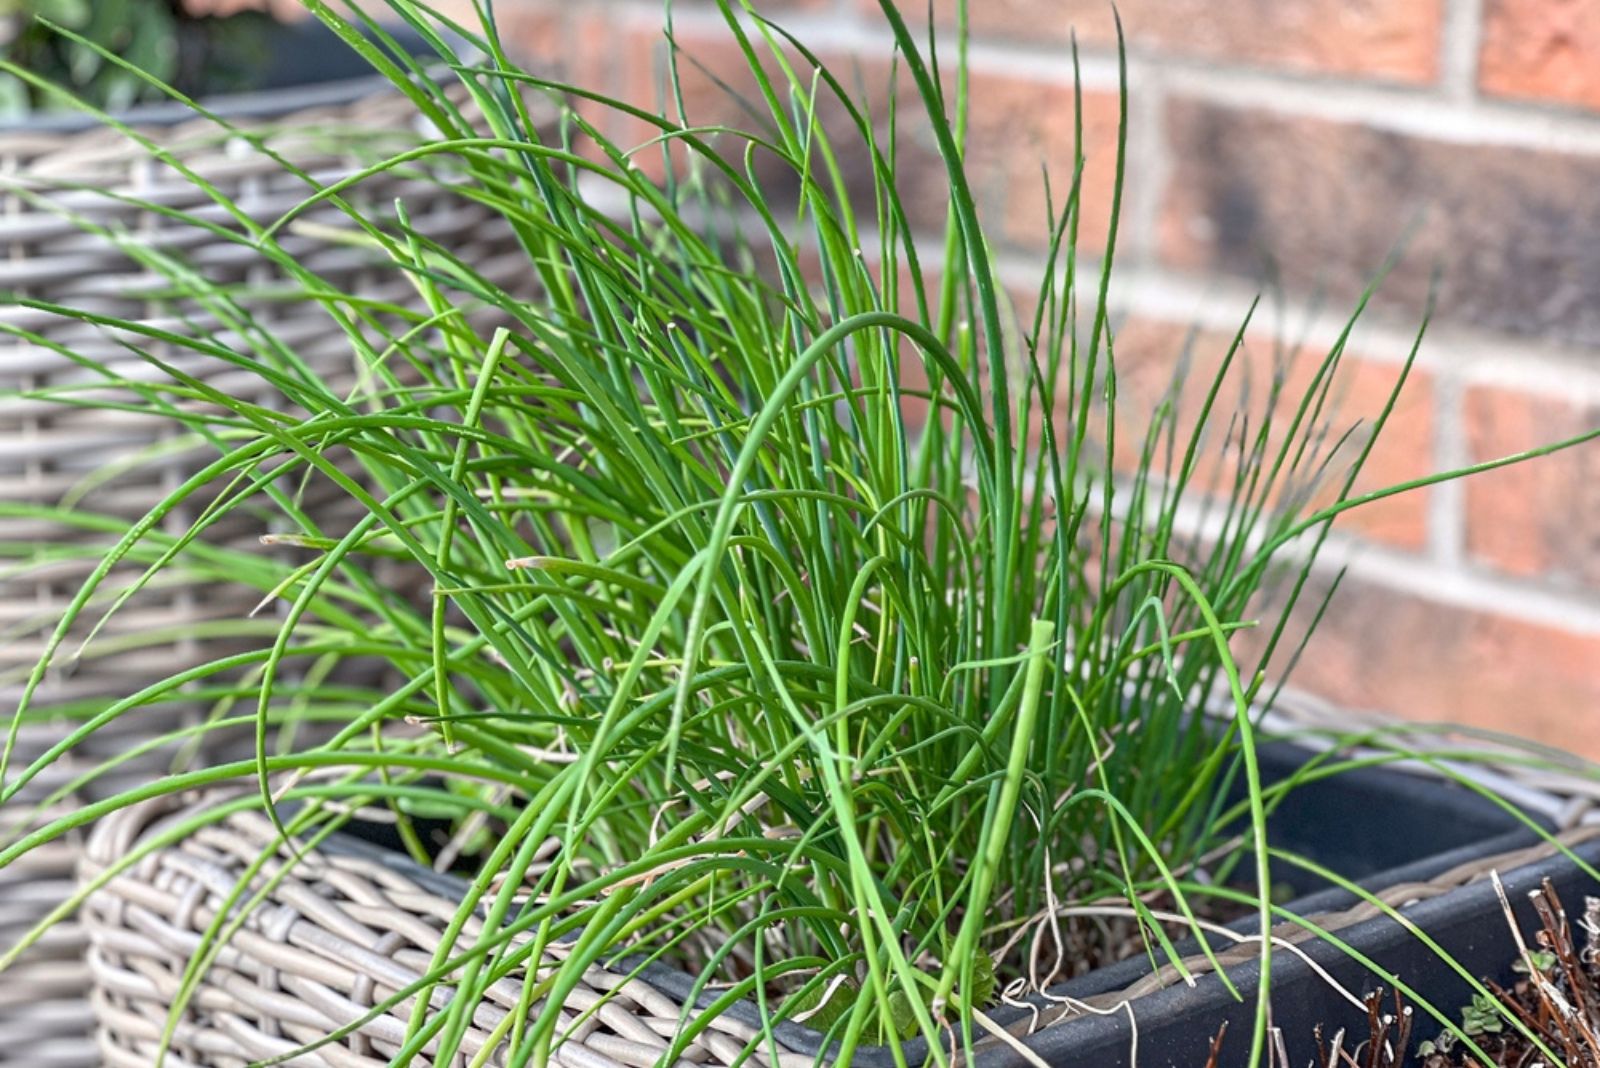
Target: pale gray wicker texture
335, 934
56, 190
121, 463
1563, 790
45, 1017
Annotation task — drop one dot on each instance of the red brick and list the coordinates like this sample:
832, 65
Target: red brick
1421, 659
1148, 353
282, 10
1394, 40
1540, 518
1018, 126
1021, 128
772, 7
1326, 203
576, 46
541, 38
1541, 50
718, 89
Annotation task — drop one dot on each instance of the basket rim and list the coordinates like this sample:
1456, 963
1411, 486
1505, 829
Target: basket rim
356, 83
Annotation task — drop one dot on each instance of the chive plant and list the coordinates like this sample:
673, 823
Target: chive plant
776, 602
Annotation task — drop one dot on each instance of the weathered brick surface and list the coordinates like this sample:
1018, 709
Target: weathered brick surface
1389, 39
1383, 649
1023, 128
1020, 128
278, 9
631, 59
1541, 50
1149, 353
554, 43
1541, 519
1327, 202
774, 7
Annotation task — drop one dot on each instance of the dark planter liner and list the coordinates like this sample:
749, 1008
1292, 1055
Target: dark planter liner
1371, 825
1176, 1026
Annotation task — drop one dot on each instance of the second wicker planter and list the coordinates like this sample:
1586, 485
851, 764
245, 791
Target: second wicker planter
65, 188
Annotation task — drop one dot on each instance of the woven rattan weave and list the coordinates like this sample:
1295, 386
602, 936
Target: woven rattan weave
335, 934
64, 196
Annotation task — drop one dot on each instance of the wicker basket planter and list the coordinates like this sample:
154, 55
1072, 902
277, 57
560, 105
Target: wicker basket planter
59, 180
352, 924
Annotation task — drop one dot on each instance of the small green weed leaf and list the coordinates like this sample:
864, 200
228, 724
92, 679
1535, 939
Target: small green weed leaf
1543, 960
1482, 1017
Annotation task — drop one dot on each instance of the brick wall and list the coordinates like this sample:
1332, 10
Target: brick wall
1297, 140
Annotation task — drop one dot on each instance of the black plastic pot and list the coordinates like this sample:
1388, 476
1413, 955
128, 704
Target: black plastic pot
1175, 1026
1377, 827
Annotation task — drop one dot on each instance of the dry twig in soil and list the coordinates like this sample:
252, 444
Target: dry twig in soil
1557, 1001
